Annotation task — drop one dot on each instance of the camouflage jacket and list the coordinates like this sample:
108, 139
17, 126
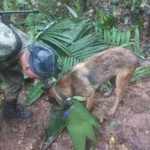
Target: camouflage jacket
13, 62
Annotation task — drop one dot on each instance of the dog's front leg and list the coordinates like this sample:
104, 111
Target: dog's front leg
90, 101
114, 108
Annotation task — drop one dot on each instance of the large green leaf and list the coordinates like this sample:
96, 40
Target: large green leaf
83, 113
81, 125
57, 124
76, 131
34, 94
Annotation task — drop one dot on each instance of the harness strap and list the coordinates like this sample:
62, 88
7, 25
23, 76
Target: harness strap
59, 92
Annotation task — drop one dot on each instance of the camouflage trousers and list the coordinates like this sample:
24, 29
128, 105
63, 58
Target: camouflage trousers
13, 83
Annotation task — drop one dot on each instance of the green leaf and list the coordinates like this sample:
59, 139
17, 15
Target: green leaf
79, 98
76, 131
1, 104
143, 3
74, 14
73, 41
108, 36
34, 94
83, 43
105, 34
89, 51
57, 124
22, 1
137, 39
67, 64
6, 4
126, 44
77, 4
137, 35
127, 36
114, 34
140, 72
2, 85
123, 37
83, 113
80, 125
118, 37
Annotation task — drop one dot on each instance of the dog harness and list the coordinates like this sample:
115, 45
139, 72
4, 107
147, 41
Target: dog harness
61, 95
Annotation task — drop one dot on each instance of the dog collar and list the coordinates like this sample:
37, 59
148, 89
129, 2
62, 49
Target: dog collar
60, 94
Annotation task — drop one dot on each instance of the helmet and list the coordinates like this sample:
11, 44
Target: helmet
42, 60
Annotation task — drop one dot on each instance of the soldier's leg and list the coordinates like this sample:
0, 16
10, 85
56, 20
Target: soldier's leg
13, 82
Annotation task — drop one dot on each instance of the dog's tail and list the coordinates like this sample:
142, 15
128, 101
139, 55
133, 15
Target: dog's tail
143, 62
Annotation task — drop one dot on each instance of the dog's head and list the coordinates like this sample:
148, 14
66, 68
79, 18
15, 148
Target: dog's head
56, 97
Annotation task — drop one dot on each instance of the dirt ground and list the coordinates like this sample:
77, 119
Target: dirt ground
130, 126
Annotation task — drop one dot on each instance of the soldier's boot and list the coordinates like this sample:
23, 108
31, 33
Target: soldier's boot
12, 111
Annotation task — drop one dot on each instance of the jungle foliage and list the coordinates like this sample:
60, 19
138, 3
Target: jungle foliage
76, 30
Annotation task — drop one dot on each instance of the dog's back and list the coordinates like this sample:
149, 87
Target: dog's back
105, 65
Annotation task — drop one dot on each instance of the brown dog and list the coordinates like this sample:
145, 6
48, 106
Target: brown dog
115, 64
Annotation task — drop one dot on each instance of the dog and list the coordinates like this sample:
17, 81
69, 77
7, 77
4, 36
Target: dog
116, 65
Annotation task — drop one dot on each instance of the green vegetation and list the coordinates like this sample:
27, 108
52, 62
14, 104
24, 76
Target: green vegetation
78, 120
75, 32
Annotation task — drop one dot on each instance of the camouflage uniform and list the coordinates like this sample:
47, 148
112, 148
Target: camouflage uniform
10, 70
42, 60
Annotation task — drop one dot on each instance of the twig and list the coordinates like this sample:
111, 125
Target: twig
43, 140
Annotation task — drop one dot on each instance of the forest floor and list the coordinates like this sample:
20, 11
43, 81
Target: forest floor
130, 126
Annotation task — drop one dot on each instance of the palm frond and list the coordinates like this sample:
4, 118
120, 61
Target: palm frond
75, 41
83, 42
116, 37
67, 63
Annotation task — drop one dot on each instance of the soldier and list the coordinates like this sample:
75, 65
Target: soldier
17, 53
